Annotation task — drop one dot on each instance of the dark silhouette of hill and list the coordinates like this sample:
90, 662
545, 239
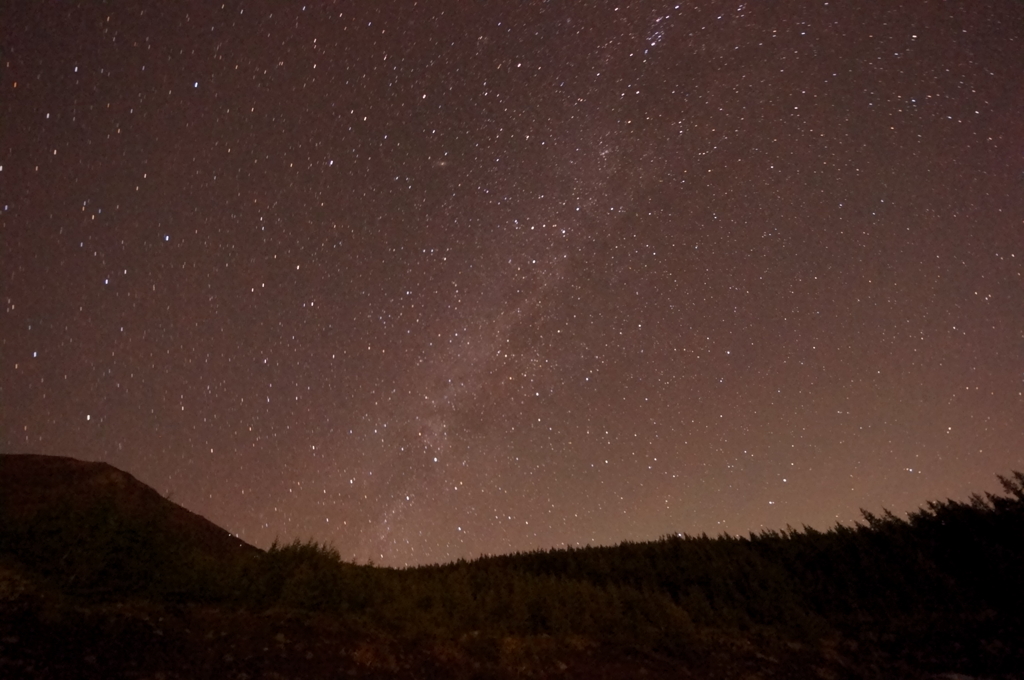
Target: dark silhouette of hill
90, 528
101, 577
31, 485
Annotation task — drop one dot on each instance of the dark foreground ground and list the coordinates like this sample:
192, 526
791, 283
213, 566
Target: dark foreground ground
62, 640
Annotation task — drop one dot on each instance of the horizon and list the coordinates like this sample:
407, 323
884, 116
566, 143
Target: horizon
862, 522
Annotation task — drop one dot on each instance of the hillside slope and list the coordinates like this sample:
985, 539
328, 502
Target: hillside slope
89, 527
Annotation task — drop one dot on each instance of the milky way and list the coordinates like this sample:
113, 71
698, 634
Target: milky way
432, 280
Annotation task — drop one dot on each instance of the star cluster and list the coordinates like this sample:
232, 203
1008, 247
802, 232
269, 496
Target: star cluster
431, 280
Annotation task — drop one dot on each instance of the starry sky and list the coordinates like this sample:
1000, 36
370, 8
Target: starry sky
432, 280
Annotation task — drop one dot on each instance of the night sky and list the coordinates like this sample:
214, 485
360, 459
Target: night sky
432, 280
